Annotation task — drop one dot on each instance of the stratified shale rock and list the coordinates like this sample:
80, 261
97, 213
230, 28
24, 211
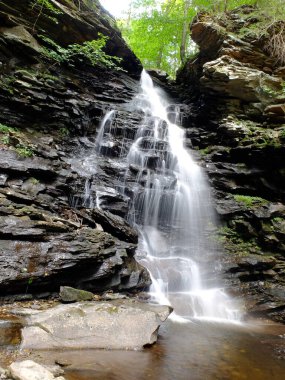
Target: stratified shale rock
235, 92
50, 111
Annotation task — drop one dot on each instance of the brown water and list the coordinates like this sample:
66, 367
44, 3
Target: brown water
192, 351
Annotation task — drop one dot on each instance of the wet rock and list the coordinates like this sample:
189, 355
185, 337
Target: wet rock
112, 325
278, 109
115, 225
19, 34
56, 370
3, 179
30, 370
45, 242
257, 263
10, 162
109, 296
86, 259
68, 294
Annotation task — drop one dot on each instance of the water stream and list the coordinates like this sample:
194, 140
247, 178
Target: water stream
171, 207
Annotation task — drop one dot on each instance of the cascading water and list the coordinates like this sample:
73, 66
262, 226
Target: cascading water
172, 210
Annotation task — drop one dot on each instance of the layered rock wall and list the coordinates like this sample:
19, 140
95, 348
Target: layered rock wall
235, 91
48, 108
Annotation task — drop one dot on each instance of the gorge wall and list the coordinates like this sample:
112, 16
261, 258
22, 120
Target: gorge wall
236, 121
48, 108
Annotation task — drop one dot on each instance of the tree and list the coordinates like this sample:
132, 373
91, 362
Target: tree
157, 31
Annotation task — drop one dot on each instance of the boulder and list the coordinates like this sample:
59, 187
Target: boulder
29, 370
121, 324
69, 294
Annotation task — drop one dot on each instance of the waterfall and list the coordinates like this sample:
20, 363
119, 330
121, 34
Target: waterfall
171, 208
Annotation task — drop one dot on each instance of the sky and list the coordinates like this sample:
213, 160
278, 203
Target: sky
116, 7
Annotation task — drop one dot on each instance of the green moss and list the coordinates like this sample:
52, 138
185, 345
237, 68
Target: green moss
5, 140
205, 151
5, 129
112, 309
277, 220
63, 132
17, 140
249, 201
235, 244
34, 181
7, 84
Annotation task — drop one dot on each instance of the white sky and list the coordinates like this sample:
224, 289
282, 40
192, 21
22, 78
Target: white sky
116, 7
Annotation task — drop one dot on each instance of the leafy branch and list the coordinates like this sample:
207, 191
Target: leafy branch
91, 51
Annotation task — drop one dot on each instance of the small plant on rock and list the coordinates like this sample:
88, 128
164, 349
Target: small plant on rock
63, 132
24, 151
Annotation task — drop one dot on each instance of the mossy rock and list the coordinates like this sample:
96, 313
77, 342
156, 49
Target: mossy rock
69, 294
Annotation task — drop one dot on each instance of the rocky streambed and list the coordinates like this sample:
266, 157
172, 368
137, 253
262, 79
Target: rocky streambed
30, 328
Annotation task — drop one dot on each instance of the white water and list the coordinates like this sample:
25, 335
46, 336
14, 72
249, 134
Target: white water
173, 213
171, 208
106, 126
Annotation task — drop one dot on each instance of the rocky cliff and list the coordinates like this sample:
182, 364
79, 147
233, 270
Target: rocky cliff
52, 96
236, 121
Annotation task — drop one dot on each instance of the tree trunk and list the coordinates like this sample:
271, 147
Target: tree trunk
184, 31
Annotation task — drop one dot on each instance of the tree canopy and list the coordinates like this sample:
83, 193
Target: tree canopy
157, 30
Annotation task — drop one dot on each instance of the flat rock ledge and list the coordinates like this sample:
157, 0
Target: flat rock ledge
118, 324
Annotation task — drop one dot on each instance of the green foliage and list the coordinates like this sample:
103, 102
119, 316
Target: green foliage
5, 129
92, 51
219, 6
10, 135
63, 132
158, 30
155, 31
5, 140
46, 5
249, 201
24, 151
34, 181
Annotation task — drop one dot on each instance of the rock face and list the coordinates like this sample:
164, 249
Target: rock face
49, 116
236, 124
120, 324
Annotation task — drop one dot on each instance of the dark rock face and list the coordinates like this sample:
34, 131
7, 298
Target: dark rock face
49, 114
236, 91
45, 93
